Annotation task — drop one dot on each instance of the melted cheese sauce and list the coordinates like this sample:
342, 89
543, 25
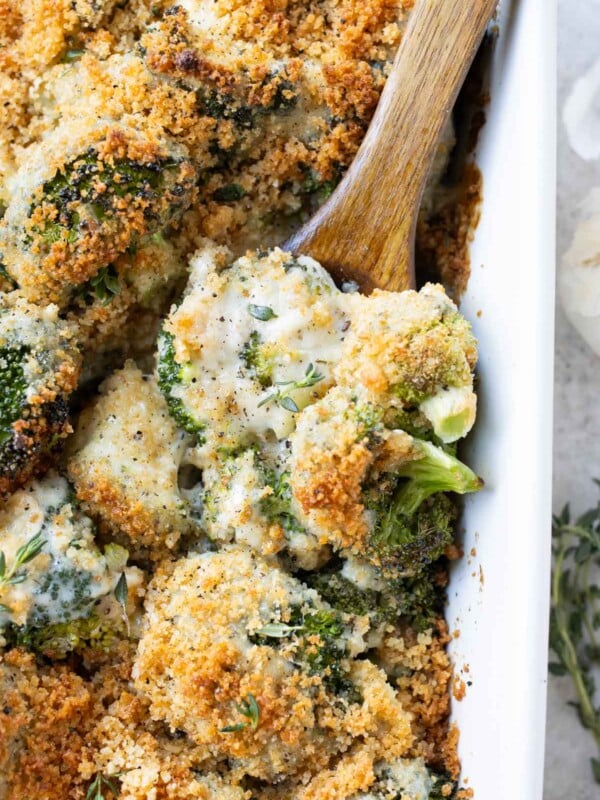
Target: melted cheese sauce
303, 323
69, 573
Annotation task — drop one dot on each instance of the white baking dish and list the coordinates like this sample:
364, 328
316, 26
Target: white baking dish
499, 597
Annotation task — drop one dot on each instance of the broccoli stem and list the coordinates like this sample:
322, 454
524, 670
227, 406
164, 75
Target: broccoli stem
434, 471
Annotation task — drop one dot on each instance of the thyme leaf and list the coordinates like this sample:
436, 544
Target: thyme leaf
277, 630
575, 613
282, 395
263, 313
105, 284
121, 596
102, 782
247, 708
24, 555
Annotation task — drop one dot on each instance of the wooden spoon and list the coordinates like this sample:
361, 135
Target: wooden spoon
365, 232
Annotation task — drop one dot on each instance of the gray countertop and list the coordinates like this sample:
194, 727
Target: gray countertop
576, 398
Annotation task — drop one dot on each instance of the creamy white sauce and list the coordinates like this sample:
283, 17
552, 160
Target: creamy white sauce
408, 779
306, 326
68, 553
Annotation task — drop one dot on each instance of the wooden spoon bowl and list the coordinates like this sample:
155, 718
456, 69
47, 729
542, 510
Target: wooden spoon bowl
365, 232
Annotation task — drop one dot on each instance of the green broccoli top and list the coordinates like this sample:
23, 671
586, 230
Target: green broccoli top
83, 202
407, 779
39, 368
367, 489
388, 600
170, 374
14, 388
51, 571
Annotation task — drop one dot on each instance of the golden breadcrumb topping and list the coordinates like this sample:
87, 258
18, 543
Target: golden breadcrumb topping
199, 671
146, 144
124, 463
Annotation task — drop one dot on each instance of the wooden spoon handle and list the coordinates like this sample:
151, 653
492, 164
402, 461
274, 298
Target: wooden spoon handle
365, 231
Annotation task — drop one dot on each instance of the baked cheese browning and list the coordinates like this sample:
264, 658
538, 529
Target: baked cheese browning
268, 115
59, 732
252, 665
332, 452
252, 344
84, 200
304, 444
299, 439
413, 351
263, 110
124, 742
125, 462
39, 369
419, 665
43, 722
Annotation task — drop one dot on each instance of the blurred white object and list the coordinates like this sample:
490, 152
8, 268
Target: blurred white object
581, 114
579, 280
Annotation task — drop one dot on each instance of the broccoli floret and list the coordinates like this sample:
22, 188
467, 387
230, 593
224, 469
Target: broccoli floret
347, 597
215, 614
99, 201
403, 543
433, 470
248, 374
417, 600
247, 501
90, 187
127, 439
326, 657
170, 374
76, 636
425, 368
256, 361
380, 505
321, 649
39, 367
277, 507
51, 571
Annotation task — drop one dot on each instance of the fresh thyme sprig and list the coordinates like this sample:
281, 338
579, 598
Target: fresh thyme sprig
248, 708
575, 614
26, 553
282, 396
102, 782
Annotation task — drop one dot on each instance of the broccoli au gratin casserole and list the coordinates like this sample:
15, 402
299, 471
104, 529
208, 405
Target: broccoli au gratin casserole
229, 488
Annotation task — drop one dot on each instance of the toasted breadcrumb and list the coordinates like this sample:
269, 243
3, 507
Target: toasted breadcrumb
196, 663
262, 105
124, 464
